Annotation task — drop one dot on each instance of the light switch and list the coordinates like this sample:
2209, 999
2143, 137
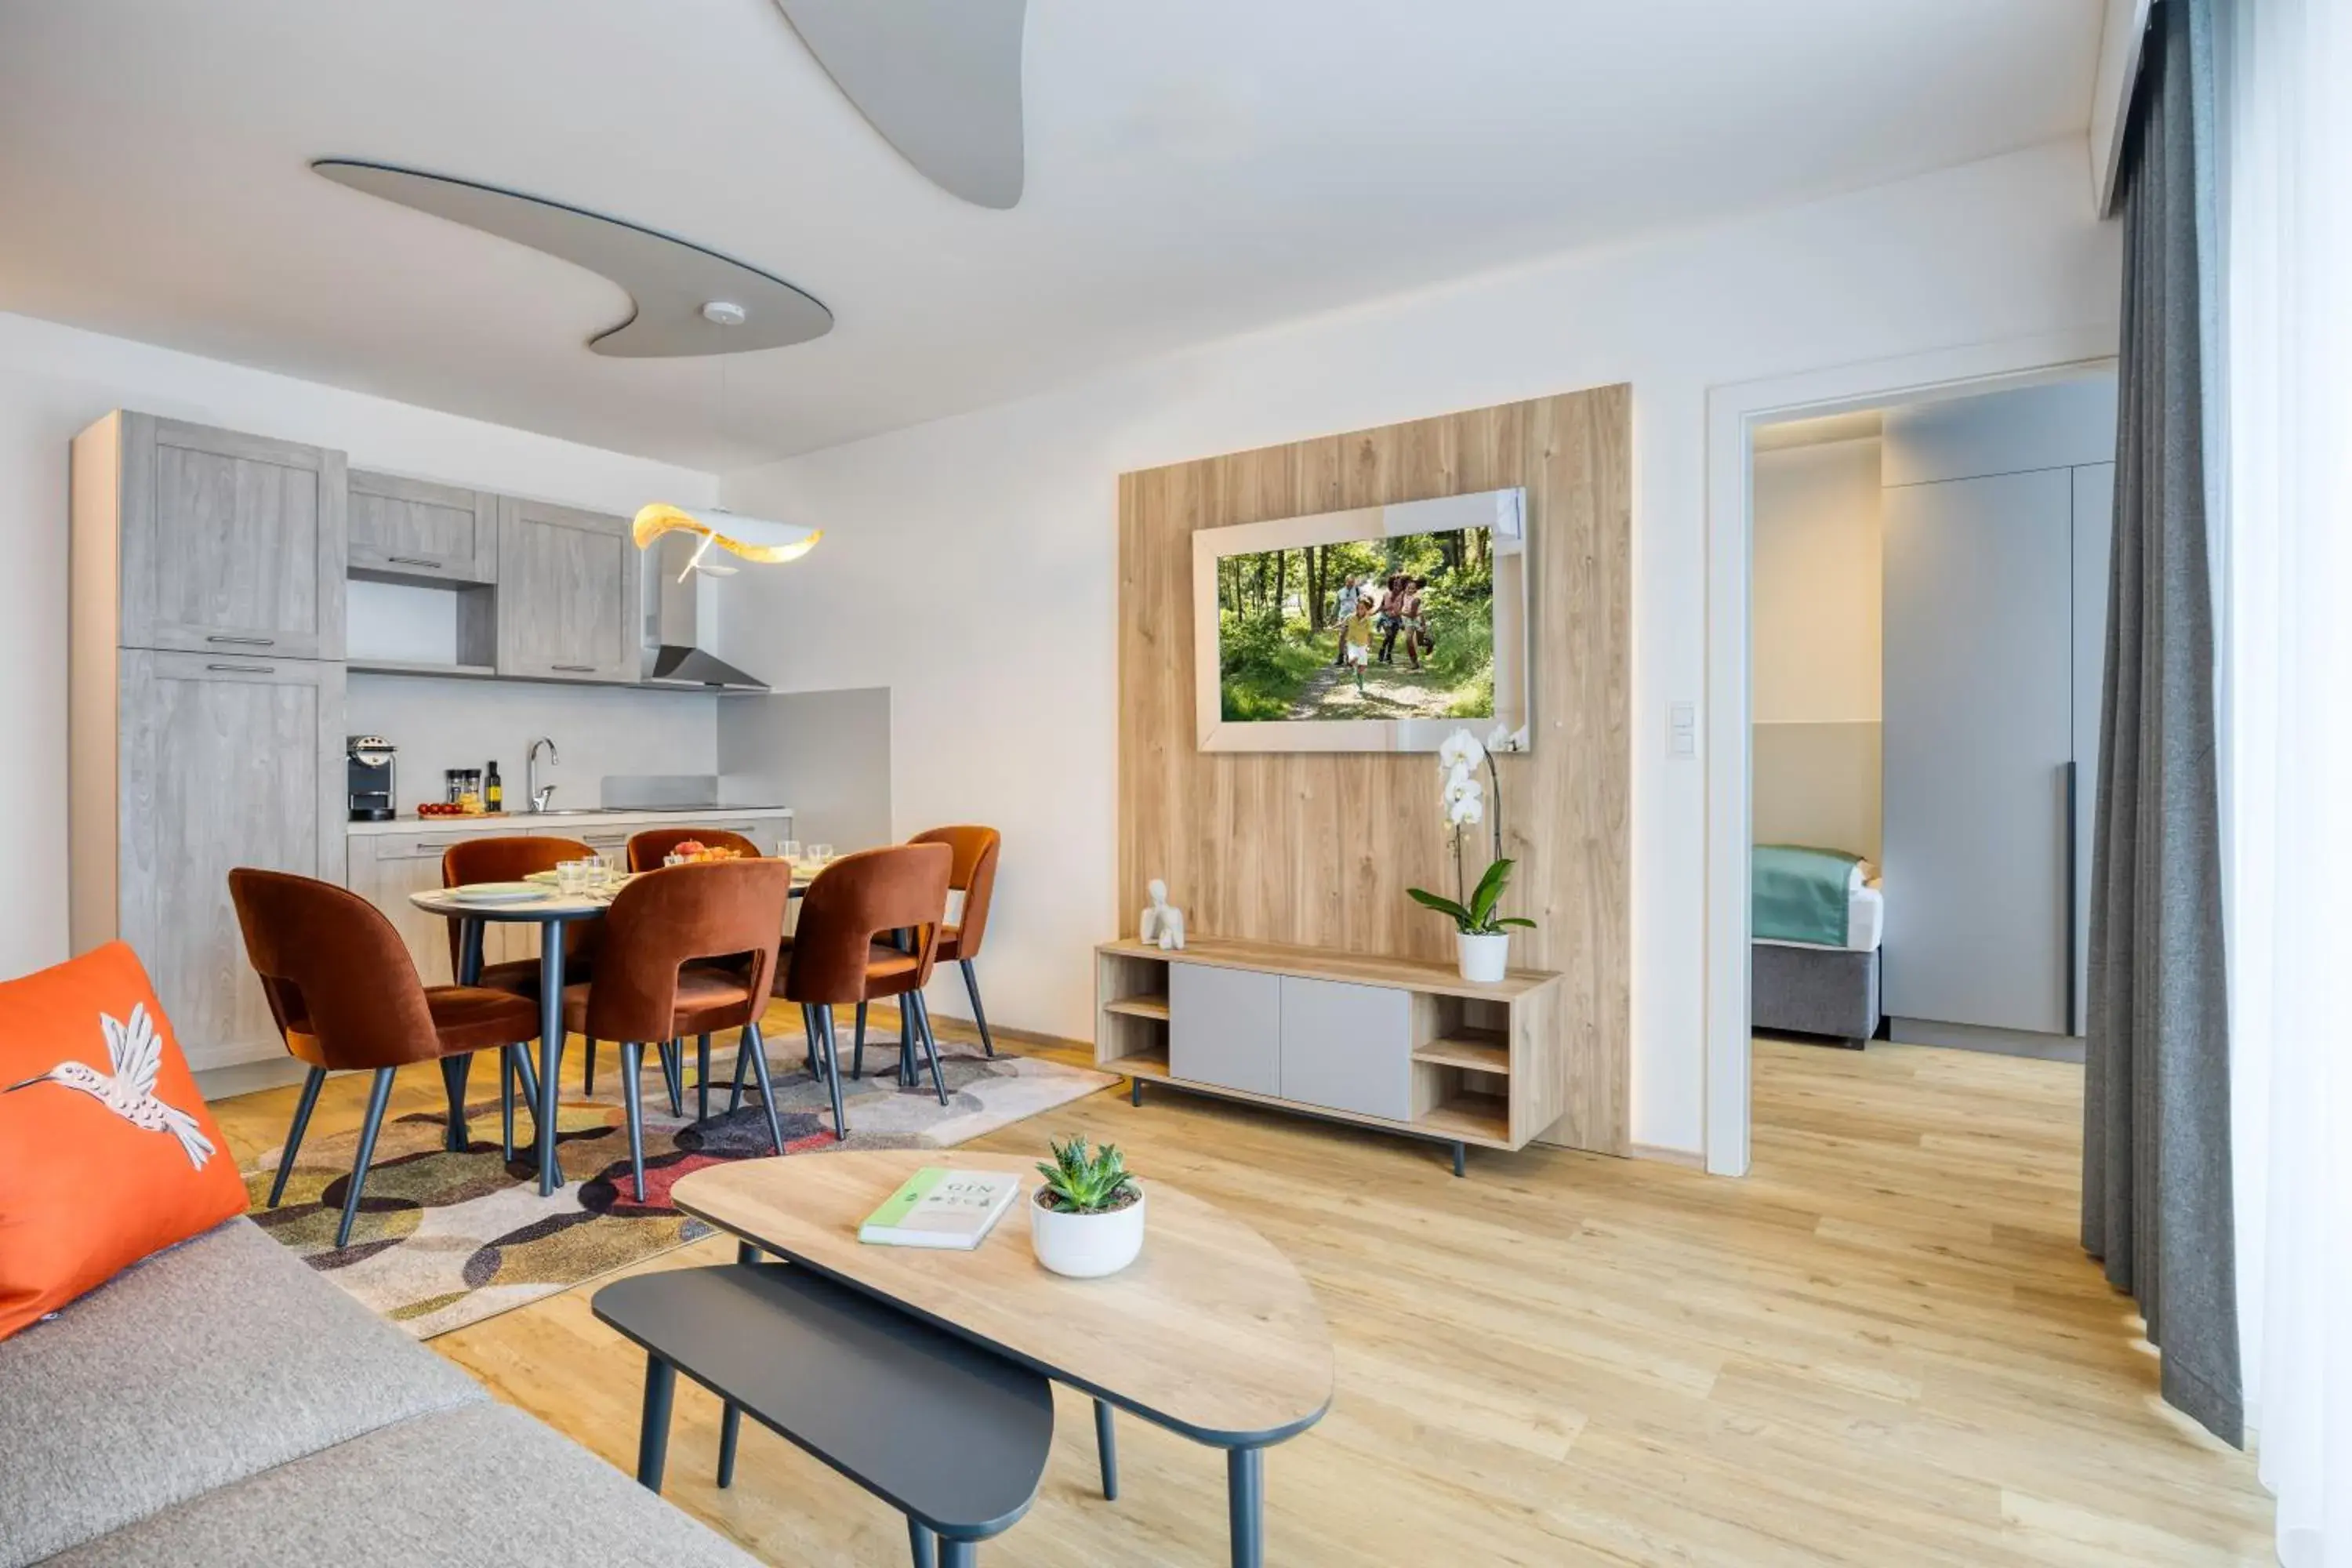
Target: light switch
1682, 728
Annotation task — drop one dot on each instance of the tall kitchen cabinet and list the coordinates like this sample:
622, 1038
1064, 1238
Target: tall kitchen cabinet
1998, 511
206, 691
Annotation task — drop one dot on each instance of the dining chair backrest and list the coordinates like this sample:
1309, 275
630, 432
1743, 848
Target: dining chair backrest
717, 913
510, 857
855, 898
974, 875
339, 979
649, 848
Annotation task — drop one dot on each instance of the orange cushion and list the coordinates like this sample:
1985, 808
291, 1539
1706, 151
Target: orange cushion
107, 1152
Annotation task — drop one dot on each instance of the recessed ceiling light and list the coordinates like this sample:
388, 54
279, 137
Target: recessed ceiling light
723, 313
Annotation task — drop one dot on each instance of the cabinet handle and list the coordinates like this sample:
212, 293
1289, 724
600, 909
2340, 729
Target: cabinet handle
413, 561
243, 668
576, 668
435, 843
244, 642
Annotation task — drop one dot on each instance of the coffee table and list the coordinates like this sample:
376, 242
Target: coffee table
1210, 1333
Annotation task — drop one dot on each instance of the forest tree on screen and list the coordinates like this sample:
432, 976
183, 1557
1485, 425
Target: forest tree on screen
1297, 640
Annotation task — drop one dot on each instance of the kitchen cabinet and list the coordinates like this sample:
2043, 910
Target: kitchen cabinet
411, 531
228, 542
386, 868
570, 603
224, 762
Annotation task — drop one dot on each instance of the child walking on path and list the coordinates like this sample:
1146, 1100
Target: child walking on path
1355, 640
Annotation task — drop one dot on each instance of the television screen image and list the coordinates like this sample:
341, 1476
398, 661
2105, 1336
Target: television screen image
1397, 628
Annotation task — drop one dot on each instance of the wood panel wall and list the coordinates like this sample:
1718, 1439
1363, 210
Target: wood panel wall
1318, 849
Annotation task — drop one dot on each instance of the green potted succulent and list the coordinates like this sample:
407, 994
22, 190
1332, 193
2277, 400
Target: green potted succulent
1087, 1219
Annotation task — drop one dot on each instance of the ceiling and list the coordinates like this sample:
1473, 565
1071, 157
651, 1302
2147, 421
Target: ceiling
1195, 168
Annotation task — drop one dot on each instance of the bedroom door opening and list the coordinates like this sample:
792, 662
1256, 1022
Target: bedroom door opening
1919, 626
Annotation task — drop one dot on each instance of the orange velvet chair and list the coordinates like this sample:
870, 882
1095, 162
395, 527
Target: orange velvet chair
648, 850
346, 997
974, 876
686, 950
833, 957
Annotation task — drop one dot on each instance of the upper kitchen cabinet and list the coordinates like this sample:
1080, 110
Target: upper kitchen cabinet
569, 594
411, 531
224, 542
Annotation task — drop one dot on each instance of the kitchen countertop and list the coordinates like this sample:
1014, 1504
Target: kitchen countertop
523, 821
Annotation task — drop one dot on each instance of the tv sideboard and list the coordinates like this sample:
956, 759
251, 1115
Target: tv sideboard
1400, 1044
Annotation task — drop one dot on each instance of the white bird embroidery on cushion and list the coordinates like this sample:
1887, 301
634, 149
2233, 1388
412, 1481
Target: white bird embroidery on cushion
137, 1054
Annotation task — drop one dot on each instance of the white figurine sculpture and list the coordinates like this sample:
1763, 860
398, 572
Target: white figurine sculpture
1163, 924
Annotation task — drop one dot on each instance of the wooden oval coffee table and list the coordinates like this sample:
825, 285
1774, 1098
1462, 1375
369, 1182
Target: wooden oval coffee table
1210, 1333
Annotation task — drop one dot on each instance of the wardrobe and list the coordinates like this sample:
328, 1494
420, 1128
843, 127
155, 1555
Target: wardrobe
1998, 511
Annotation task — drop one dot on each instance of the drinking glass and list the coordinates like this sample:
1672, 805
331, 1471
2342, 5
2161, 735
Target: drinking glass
820, 853
610, 873
572, 878
789, 849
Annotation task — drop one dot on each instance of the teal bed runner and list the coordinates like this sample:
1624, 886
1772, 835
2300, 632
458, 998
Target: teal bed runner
1800, 894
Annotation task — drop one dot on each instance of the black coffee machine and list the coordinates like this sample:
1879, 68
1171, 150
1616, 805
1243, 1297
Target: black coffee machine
369, 765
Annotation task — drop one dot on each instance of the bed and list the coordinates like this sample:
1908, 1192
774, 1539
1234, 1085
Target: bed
1819, 918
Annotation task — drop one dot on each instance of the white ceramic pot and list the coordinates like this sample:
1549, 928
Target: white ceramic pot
1086, 1246
1484, 957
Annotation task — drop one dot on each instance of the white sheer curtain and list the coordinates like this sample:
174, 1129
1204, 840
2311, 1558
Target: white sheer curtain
2285, 112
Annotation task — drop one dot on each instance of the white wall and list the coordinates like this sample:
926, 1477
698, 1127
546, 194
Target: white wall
55, 380
971, 563
1815, 600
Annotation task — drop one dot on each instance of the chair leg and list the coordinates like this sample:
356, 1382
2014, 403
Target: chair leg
528, 1071
833, 1076
302, 1109
633, 1064
506, 1104
759, 1050
731, 1430
735, 1092
453, 1082
978, 1012
588, 1068
673, 1075
378, 1094
906, 1043
810, 1012
930, 1042
702, 1077
857, 1046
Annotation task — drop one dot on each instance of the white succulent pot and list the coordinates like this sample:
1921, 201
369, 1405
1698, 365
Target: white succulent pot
1484, 957
1086, 1246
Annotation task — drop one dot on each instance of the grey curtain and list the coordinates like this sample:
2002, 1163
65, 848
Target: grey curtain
2156, 1112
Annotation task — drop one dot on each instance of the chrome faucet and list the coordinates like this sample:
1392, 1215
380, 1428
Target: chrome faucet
538, 796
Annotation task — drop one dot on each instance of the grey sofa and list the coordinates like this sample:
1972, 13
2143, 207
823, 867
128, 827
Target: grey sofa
221, 1404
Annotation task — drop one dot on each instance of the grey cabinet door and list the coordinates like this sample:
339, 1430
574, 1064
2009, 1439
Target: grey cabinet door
1978, 732
1347, 1048
1224, 1027
230, 542
410, 530
2095, 514
225, 760
569, 598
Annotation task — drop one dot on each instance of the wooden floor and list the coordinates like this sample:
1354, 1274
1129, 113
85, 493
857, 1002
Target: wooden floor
1884, 1347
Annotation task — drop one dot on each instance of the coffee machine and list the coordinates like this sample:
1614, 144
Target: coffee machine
368, 762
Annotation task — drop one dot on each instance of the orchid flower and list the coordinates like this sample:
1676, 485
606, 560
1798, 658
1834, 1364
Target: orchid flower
1460, 749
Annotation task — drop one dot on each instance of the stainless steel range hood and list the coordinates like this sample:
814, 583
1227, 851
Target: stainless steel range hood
677, 617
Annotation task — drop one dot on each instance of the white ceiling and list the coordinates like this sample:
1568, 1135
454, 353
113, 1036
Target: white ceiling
1196, 168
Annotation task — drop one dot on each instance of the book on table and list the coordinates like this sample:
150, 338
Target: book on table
939, 1207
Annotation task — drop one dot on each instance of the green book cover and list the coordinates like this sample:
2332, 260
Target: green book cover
900, 1204
939, 1207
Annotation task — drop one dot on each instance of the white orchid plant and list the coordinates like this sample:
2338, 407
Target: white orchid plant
1464, 799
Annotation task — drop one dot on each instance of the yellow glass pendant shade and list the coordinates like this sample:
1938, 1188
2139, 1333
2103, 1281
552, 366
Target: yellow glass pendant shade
751, 538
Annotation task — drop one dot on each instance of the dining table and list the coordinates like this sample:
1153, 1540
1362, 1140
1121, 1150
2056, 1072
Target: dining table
553, 909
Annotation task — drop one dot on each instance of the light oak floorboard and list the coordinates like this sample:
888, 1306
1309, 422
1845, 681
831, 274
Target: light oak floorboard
1884, 1347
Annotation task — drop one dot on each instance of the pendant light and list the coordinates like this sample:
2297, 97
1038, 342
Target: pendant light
755, 539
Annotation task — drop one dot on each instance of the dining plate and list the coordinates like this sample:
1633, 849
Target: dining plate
496, 892
544, 878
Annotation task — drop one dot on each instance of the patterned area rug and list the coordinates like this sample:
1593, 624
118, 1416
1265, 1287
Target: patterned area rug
446, 1239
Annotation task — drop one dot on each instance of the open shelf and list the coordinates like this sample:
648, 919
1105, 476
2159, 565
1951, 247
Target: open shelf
1480, 1116
1471, 1049
1146, 1063
1149, 1005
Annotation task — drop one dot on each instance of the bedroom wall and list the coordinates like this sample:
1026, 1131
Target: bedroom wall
971, 563
1816, 640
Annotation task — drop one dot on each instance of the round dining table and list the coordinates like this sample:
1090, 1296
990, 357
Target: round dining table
551, 911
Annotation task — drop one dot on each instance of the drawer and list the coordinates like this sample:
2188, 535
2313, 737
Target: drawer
1224, 1027
1348, 1048
425, 846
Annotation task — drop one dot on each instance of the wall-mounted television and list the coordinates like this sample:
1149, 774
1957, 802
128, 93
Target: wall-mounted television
1381, 629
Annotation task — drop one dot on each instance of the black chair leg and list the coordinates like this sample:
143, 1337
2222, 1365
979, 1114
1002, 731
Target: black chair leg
702, 1078
588, 1068
378, 1094
810, 1012
930, 1042
978, 1012
731, 1430
759, 1050
633, 1064
453, 1083
857, 1046
735, 1093
906, 1043
303, 1106
833, 1076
